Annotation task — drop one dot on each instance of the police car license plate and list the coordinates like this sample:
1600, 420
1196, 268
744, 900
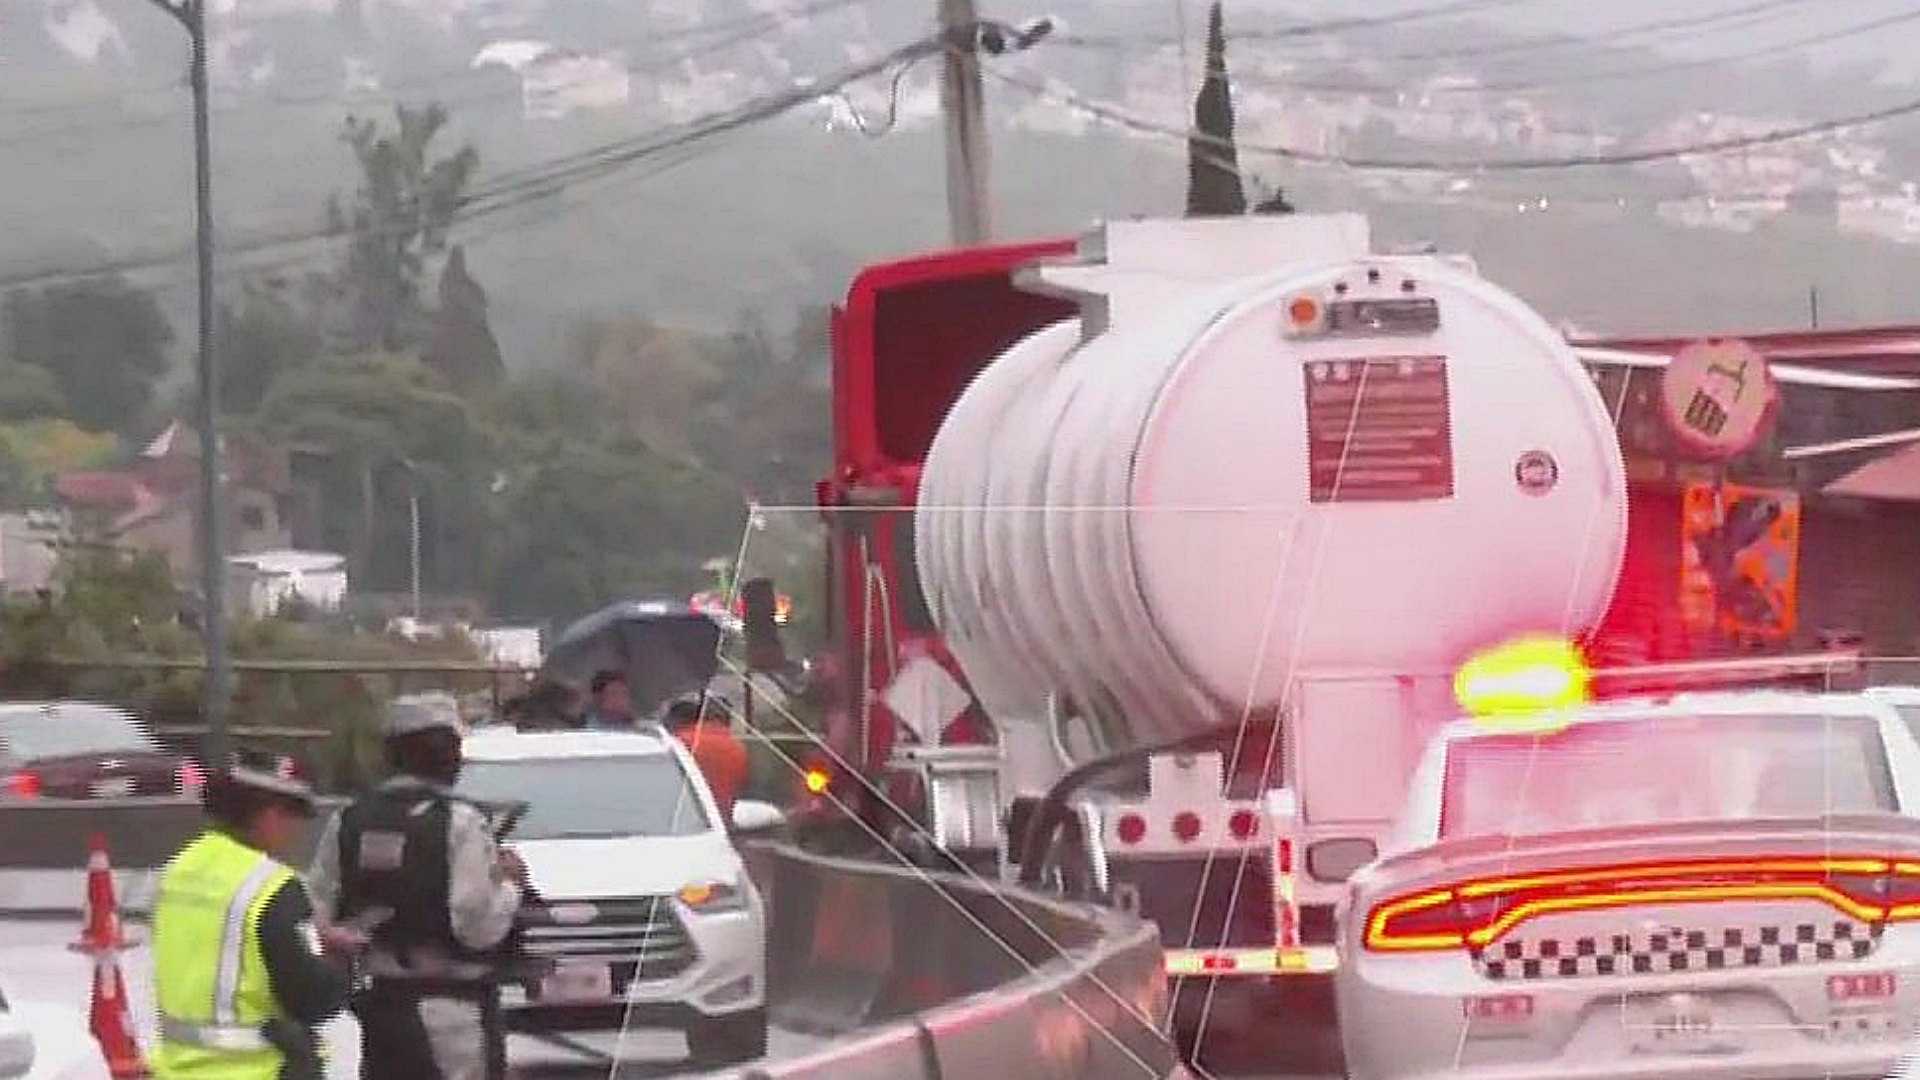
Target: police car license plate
577, 982
1679, 1024
115, 788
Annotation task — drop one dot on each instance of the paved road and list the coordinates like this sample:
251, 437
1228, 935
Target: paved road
1264, 1035
47, 986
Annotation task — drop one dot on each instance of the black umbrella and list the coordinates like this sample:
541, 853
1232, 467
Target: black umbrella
663, 652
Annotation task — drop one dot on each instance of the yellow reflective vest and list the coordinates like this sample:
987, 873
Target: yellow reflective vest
210, 976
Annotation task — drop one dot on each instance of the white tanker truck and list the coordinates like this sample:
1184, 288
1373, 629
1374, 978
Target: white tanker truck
1254, 507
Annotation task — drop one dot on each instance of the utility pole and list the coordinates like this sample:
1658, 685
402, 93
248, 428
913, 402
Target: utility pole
964, 101
192, 15
1813, 305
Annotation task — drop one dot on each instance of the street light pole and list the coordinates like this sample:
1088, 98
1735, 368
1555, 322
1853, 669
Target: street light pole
192, 14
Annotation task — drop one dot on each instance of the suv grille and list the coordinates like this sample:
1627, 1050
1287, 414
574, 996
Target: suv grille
642, 938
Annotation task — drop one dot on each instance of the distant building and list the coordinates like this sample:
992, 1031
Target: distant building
262, 583
29, 551
153, 504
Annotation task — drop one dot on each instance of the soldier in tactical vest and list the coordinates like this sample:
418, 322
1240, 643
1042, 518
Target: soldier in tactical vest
421, 868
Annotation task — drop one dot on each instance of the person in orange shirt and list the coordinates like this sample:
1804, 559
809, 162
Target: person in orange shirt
703, 728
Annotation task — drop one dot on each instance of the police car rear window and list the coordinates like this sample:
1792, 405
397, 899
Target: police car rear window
1665, 769
587, 798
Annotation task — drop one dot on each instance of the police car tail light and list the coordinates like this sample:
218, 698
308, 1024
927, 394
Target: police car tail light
1860, 986
24, 784
1472, 914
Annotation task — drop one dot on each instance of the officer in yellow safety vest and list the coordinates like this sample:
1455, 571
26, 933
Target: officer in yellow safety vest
241, 974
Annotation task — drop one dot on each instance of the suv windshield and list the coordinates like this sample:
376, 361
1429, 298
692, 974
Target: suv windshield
1630, 772
591, 797
65, 730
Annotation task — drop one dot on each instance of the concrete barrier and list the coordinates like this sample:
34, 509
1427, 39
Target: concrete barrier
43, 848
935, 976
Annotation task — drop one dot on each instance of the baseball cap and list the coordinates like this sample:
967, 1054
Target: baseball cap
411, 714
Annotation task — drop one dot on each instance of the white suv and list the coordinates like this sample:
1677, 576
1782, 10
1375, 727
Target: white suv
640, 901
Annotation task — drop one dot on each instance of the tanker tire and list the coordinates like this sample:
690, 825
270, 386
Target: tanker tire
729, 1040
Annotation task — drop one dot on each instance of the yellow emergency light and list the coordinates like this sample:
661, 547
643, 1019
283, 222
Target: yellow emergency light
1522, 679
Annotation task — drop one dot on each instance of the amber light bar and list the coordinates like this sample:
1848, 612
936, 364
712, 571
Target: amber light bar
1474, 913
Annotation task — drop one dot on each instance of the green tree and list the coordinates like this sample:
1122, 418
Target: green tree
463, 349
387, 422
28, 392
397, 220
103, 341
1213, 163
261, 337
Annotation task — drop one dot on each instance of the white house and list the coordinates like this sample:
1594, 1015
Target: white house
261, 582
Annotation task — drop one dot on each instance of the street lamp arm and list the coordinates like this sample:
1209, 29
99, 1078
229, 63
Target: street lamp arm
181, 10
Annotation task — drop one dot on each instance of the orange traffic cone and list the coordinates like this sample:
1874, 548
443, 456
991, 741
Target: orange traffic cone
102, 930
108, 1019
101, 938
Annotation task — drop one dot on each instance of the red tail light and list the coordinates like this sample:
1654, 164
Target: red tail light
1243, 824
190, 777
24, 784
1474, 913
1867, 986
1131, 828
1186, 826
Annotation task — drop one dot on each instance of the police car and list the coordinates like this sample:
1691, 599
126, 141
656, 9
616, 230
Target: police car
642, 905
16, 1044
1714, 885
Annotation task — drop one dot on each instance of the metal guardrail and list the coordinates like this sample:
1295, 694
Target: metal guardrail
932, 976
43, 848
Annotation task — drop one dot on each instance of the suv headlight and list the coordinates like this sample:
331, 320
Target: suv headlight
711, 897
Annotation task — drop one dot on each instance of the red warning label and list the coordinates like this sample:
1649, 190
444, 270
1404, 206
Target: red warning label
1378, 430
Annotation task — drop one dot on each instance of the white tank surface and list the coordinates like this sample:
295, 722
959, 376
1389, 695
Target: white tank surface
1372, 465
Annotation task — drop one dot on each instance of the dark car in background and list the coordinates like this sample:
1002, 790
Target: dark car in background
85, 750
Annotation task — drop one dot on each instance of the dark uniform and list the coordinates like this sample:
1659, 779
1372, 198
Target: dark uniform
420, 866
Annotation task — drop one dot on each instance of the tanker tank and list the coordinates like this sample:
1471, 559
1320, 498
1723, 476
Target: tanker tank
1173, 509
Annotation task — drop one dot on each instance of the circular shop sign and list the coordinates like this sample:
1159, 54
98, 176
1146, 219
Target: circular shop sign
1536, 472
1716, 395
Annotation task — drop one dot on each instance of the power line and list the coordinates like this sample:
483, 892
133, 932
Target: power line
550, 178
1739, 16
1808, 41
726, 34
1121, 118
1313, 29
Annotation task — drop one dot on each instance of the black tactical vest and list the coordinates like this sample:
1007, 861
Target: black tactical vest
393, 854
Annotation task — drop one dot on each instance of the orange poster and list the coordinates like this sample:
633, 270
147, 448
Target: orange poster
1740, 561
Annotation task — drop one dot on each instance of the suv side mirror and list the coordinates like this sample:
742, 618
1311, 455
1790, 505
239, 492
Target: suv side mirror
752, 816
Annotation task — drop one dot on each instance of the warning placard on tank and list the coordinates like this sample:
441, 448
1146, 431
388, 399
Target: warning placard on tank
1378, 430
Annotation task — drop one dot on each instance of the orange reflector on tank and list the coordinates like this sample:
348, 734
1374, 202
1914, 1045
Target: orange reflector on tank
1521, 679
1304, 313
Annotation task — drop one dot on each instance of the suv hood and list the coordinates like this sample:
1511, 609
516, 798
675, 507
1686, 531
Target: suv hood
594, 869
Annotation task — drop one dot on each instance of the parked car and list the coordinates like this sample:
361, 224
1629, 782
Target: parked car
85, 750
641, 903
1716, 885
16, 1044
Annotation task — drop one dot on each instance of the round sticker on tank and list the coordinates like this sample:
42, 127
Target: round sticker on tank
1536, 472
